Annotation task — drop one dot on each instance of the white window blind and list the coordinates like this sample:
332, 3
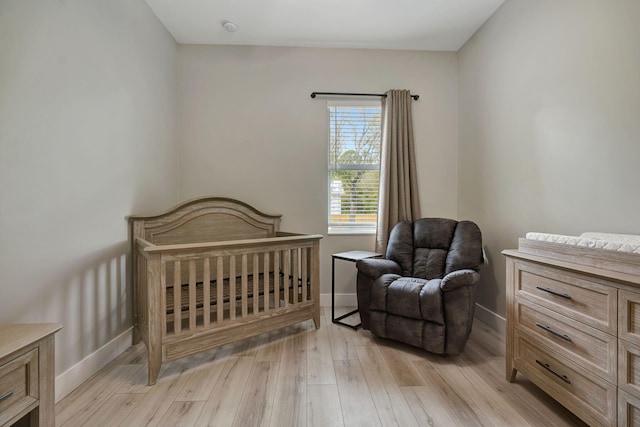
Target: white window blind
354, 166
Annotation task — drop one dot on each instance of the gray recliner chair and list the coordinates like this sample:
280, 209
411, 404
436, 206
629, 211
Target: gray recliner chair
424, 292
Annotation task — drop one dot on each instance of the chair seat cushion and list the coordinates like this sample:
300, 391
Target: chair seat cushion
409, 297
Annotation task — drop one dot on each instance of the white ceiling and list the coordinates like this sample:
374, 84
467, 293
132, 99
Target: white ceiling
378, 24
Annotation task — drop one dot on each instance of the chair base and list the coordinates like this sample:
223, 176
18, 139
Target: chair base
418, 333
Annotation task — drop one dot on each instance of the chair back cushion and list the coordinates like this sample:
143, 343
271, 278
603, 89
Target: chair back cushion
430, 248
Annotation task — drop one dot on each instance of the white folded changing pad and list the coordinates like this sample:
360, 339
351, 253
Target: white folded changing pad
608, 241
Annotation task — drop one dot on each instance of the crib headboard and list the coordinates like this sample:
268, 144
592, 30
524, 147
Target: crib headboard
205, 219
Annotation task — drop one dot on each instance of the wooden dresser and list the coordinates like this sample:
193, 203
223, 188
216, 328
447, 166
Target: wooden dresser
27, 374
573, 328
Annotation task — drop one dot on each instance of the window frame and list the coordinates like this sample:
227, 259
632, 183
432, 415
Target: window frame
349, 228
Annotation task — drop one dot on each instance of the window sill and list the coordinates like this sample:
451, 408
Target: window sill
350, 232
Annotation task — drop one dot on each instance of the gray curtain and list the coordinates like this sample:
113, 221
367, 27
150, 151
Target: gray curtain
398, 200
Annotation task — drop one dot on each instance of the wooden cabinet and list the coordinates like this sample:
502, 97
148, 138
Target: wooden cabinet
574, 330
27, 374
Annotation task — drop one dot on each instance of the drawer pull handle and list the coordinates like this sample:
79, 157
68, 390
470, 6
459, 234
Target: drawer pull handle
551, 331
6, 396
548, 368
551, 291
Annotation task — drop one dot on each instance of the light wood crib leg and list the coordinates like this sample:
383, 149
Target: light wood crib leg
156, 286
155, 361
315, 279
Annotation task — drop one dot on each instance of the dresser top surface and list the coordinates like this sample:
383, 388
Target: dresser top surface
586, 265
14, 336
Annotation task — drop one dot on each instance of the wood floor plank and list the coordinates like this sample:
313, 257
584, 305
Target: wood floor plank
488, 341
271, 351
137, 382
204, 377
484, 400
206, 370
256, 404
342, 348
423, 403
248, 347
388, 398
220, 409
115, 409
182, 414
444, 397
291, 389
134, 355
401, 365
130, 356
94, 395
323, 409
358, 408
363, 337
152, 407
339, 338
319, 359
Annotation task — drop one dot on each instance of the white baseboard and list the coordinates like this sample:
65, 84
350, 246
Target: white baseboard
70, 379
342, 300
493, 320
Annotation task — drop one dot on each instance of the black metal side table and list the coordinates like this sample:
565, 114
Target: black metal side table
351, 256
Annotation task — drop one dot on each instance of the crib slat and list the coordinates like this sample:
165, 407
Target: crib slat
294, 279
163, 298
266, 281
276, 279
285, 259
177, 298
303, 276
244, 286
206, 293
232, 289
256, 284
192, 295
219, 289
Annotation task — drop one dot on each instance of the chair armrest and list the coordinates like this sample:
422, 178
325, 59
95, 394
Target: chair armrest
459, 278
376, 267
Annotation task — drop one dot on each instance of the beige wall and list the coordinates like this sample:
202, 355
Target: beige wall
87, 99
550, 124
248, 129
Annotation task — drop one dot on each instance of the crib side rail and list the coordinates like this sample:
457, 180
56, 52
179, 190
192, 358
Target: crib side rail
221, 283
281, 238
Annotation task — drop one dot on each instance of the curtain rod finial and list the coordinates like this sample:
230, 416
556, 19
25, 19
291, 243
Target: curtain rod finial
313, 94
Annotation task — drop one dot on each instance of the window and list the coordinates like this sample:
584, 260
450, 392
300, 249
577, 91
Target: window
354, 166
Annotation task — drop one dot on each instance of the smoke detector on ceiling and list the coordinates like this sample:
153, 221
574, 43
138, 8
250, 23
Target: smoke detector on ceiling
230, 26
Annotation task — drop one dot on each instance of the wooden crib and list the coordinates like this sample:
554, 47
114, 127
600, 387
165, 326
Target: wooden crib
214, 270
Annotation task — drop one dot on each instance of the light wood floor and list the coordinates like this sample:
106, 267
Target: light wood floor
300, 376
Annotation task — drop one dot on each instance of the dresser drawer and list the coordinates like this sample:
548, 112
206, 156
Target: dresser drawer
588, 396
587, 346
629, 316
628, 410
577, 298
629, 367
18, 385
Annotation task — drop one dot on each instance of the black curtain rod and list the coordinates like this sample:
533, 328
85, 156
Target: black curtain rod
383, 95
